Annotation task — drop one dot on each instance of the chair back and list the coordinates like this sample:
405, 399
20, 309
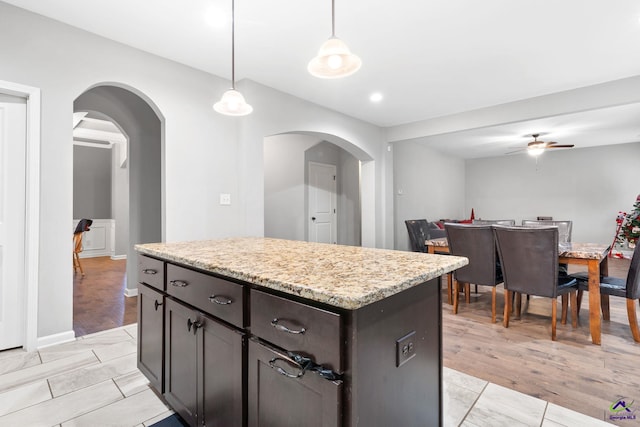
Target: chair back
477, 243
508, 222
564, 227
633, 277
418, 233
529, 258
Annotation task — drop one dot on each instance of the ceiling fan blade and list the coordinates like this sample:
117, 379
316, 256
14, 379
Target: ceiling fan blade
561, 146
550, 143
517, 151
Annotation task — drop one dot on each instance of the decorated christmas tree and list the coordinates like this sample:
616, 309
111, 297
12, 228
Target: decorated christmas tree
630, 229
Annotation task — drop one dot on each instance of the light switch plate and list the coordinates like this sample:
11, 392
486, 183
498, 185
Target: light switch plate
225, 198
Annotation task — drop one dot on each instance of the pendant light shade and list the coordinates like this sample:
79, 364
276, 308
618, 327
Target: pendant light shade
334, 59
232, 102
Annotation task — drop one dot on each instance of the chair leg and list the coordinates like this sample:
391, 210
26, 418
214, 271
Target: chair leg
518, 305
449, 288
604, 306
76, 259
633, 319
579, 301
493, 305
574, 309
565, 302
507, 308
467, 293
554, 313
456, 295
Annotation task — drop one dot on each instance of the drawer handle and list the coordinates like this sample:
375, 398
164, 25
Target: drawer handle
149, 271
195, 326
283, 328
216, 299
178, 283
157, 304
281, 371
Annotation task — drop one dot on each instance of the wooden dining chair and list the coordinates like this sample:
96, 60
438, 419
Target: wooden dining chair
628, 288
83, 225
477, 243
529, 259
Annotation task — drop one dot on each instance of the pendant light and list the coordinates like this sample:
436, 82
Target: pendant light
232, 102
334, 59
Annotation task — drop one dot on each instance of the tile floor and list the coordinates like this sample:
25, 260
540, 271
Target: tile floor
93, 381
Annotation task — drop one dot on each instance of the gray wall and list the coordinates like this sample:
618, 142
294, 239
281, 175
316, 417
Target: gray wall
427, 184
286, 160
588, 186
91, 182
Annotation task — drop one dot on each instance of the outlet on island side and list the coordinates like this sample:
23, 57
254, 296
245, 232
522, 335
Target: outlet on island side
405, 348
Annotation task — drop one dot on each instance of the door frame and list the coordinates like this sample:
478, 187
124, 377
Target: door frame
32, 208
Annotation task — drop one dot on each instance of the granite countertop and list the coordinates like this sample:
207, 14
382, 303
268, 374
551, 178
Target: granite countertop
348, 277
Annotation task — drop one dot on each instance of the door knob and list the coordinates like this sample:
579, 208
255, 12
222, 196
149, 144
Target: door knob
313, 218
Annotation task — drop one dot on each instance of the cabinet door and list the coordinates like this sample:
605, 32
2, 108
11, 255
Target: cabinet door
150, 335
278, 400
181, 374
221, 364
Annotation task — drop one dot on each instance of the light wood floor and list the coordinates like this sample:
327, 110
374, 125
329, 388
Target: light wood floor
570, 372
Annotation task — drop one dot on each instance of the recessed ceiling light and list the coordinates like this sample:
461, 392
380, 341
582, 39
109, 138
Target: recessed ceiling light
376, 97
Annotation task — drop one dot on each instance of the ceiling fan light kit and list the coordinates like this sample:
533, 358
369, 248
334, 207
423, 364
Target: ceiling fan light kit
232, 102
334, 59
536, 148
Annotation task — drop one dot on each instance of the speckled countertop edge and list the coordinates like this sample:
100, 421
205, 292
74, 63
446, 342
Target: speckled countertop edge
348, 277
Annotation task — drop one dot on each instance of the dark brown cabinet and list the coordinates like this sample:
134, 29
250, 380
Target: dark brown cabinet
280, 396
151, 335
204, 368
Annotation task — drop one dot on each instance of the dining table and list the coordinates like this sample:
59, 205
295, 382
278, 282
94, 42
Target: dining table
592, 255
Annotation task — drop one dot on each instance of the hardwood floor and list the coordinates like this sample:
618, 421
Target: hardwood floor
569, 372
98, 296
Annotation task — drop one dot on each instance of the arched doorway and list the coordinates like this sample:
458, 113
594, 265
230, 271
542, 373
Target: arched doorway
143, 126
288, 206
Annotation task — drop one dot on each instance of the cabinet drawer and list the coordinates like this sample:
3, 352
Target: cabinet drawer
151, 272
217, 297
279, 397
297, 327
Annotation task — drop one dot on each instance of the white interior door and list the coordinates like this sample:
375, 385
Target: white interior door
13, 111
323, 227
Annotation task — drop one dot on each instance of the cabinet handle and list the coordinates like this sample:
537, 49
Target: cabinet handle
216, 299
157, 304
283, 328
178, 283
281, 371
195, 325
149, 271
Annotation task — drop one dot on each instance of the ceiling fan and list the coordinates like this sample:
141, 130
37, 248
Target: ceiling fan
535, 147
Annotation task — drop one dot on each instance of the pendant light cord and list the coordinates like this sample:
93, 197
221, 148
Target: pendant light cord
233, 44
333, 18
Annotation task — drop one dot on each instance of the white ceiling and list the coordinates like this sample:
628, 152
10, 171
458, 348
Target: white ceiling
428, 58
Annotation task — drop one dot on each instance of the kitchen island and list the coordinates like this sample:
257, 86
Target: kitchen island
268, 332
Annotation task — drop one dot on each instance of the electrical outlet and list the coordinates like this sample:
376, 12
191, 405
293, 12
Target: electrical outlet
225, 198
405, 348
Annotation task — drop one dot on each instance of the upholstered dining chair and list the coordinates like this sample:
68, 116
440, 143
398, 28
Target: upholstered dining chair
628, 288
509, 222
418, 234
477, 243
529, 259
564, 227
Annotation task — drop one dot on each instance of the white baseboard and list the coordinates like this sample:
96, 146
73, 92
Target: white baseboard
118, 257
130, 292
54, 339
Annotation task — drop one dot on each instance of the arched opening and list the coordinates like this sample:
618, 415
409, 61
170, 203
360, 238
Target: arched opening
135, 206
297, 205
